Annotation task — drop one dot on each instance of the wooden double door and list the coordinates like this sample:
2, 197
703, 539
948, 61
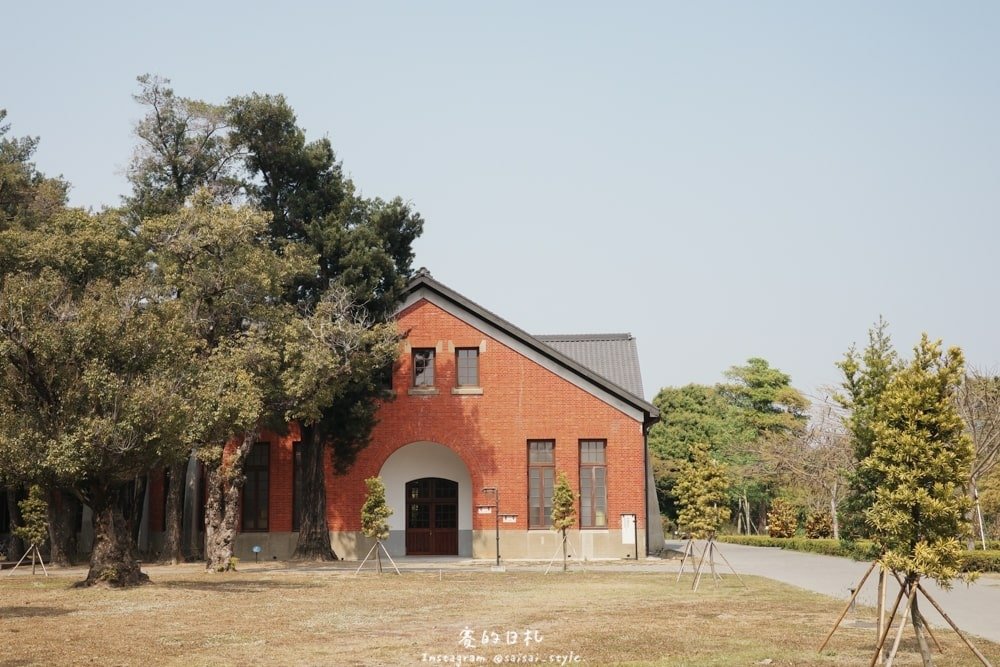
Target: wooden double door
432, 517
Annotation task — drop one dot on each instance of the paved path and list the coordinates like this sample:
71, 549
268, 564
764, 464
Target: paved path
974, 608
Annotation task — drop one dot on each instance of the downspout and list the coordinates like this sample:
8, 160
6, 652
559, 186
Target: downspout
645, 483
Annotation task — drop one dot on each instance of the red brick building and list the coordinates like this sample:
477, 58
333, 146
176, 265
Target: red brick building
482, 412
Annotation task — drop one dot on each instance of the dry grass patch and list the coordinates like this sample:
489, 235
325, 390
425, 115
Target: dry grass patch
284, 617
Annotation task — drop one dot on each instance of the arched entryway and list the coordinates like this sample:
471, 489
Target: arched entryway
432, 517
429, 489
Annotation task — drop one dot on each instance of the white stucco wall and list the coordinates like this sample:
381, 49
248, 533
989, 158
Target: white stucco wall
416, 461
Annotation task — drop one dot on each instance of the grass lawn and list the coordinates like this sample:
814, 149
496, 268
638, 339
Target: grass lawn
289, 617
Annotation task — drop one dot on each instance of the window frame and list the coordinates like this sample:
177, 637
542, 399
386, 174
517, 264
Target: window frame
252, 498
540, 507
297, 475
428, 364
459, 366
593, 486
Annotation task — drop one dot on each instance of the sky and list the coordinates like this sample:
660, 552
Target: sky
723, 180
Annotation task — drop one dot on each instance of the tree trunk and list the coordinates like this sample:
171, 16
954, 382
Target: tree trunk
135, 506
833, 513
173, 515
17, 545
314, 535
564, 548
918, 629
224, 483
113, 561
62, 513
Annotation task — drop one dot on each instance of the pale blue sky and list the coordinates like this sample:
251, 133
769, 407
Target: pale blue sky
722, 179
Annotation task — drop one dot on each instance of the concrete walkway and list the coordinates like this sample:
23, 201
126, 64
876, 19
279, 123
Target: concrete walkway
975, 608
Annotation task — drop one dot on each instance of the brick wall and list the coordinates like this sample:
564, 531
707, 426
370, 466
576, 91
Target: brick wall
521, 401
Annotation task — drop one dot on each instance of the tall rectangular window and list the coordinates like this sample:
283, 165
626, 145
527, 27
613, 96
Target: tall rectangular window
593, 484
541, 470
296, 484
423, 367
256, 488
467, 359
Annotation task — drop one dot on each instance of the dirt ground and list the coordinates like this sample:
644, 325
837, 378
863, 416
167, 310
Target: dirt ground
279, 616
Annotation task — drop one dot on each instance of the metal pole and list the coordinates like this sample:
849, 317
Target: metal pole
496, 515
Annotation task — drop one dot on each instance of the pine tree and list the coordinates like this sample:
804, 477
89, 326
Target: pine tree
866, 377
702, 493
563, 510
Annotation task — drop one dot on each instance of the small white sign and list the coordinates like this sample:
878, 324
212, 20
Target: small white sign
508, 518
628, 529
485, 509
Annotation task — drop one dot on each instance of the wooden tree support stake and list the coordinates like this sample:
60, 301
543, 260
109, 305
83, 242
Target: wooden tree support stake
902, 626
885, 632
33, 552
378, 545
847, 607
982, 658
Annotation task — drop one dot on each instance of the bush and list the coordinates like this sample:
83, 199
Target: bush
981, 561
863, 550
782, 520
819, 525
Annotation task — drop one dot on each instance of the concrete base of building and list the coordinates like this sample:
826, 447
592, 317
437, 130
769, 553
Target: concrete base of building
532, 544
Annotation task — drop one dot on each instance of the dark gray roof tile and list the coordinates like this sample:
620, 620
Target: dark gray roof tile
612, 356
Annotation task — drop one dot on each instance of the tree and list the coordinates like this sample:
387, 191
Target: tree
978, 403
922, 456
375, 512
90, 396
770, 409
812, 465
866, 377
26, 195
183, 147
702, 493
693, 414
227, 281
364, 250
362, 247
766, 397
34, 510
563, 510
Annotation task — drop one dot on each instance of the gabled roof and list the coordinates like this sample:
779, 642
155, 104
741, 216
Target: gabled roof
571, 360
613, 356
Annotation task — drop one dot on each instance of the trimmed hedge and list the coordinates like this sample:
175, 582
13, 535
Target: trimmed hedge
972, 561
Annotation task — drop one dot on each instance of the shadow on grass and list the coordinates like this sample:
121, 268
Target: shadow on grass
220, 586
29, 612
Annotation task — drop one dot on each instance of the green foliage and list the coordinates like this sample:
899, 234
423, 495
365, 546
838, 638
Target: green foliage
26, 195
922, 456
702, 493
563, 505
782, 520
866, 377
34, 516
375, 512
862, 550
765, 397
183, 147
819, 525
980, 561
